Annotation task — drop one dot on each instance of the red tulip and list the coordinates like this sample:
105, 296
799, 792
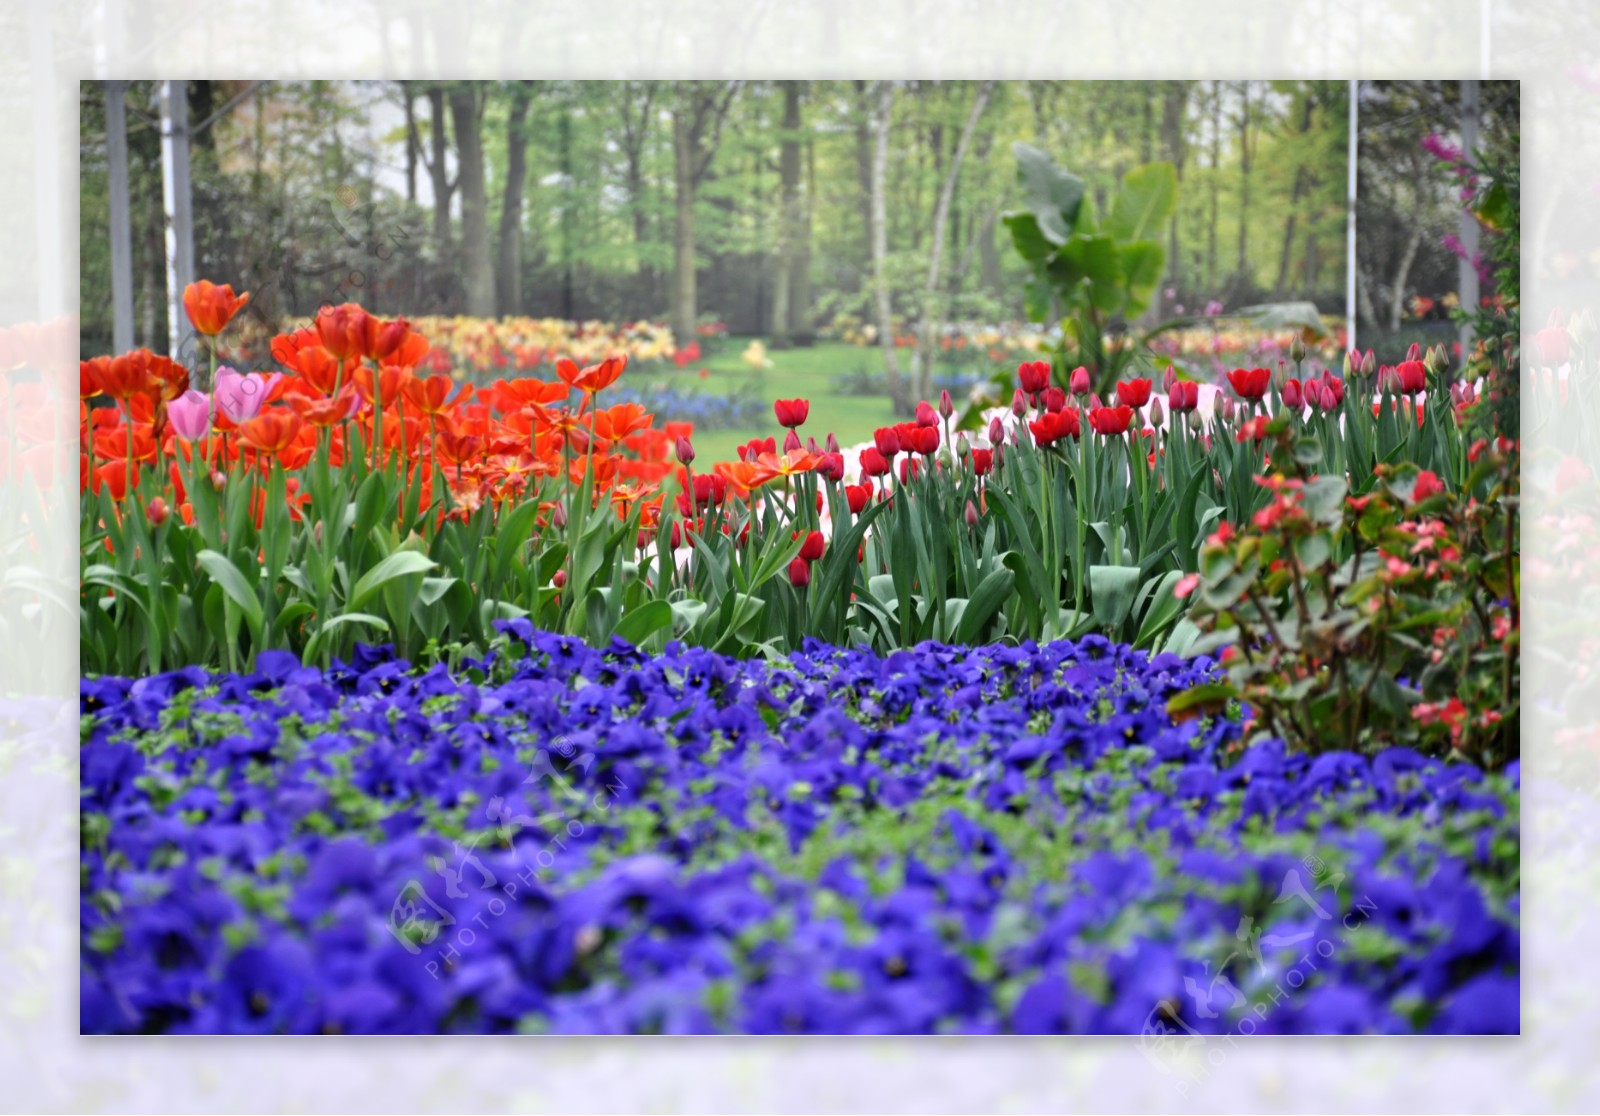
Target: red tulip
1111, 421
1183, 396
857, 495
799, 573
873, 463
1034, 376
924, 440
1253, 430
887, 441
1250, 383
1412, 376
1080, 381
1052, 426
983, 460
1133, 393
1054, 399
791, 412
1293, 397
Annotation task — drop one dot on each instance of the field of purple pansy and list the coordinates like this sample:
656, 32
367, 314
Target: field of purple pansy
577, 840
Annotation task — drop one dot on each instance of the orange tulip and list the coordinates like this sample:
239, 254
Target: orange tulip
210, 307
509, 396
126, 376
325, 410
593, 378
343, 330
616, 423
271, 431
390, 380
90, 377
430, 394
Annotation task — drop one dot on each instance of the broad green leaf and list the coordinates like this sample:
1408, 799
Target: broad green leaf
233, 583
1143, 203
402, 563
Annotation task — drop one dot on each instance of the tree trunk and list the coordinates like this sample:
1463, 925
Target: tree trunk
1174, 104
1402, 275
683, 292
880, 245
476, 265
510, 269
439, 174
800, 265
412, 142
1244, 178
864, 146
1216, 182
928, 340
989, 254
1300, 184
696, 130
791, 217
635, 135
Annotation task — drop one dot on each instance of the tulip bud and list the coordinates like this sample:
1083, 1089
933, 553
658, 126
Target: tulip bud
558, 518
1435, 360
1369, 363
1389, 381
791, 441
1019, 403
962, 447
1055, 400
811, 447
219, 480
1347, 365
685, 450
1094, 401
1080, 380
1293, 397
947, 406
1415, 351
1168, 378
926, 415
1224, 408
999, 455
316, 532
997, 431
1157, 416
1197, 424
971, 514
1297, 349
830, 443
799, 573
157, 511
559, 580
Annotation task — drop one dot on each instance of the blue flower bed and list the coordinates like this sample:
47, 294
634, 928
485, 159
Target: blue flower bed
944, 839
739, 409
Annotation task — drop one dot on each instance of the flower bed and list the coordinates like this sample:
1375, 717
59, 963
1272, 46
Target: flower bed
943, 839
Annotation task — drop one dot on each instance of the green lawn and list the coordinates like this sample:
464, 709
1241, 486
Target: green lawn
795, 374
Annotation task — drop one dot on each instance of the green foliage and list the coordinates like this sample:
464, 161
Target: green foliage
1359, 623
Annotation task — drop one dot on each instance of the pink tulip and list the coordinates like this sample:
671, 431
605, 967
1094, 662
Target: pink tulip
240, 396
190, 415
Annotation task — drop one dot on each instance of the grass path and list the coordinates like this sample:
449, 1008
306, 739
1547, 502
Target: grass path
795, 374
